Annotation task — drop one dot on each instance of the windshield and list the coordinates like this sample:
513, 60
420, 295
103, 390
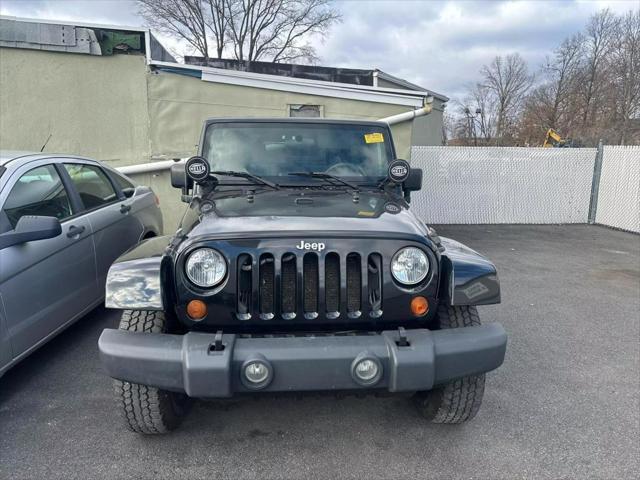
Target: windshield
355, 152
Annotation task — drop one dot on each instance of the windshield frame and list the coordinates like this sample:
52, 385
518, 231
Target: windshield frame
284, 180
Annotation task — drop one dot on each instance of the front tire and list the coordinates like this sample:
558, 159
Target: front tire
459, 400
146, 409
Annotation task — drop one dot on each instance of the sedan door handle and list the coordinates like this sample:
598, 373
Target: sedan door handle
75, 231
124, 208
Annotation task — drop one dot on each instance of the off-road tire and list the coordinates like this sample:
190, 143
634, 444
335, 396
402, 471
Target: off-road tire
459, 400
146, 409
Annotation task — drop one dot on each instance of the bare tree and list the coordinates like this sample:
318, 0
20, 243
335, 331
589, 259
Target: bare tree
588, 89
183, 19
448, 127
534, 121
218, 23
550, 103
508, 80
561, 71
599, 40
278, 30
626, 76
472, 120
480, 99
275, 30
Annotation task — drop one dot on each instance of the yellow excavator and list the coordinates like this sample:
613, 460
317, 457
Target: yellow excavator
553, 139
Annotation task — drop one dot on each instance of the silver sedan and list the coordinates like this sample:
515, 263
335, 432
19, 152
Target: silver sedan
63, 221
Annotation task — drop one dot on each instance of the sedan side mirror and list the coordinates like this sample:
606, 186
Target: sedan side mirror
30, 228
128, 192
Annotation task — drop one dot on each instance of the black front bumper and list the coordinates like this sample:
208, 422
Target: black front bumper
189, 363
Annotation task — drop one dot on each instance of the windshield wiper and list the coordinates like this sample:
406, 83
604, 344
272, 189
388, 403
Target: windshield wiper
326, 176
248, 176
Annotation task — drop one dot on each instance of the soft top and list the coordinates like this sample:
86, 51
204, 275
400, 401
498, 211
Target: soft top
329, 121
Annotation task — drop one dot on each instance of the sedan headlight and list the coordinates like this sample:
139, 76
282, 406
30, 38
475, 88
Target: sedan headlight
410, 265
206, 267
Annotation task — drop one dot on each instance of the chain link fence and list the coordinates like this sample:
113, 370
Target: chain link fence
618, 200
471, 185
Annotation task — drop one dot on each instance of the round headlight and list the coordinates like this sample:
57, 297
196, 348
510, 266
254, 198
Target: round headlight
410, 265
206, 267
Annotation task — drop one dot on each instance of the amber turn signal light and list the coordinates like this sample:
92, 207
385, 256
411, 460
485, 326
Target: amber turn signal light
196, 309
419, 306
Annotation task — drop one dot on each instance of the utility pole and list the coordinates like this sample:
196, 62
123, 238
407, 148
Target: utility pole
471, 123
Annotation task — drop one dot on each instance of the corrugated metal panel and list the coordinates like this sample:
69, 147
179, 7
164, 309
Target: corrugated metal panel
471, 185
41, 33
619, 192
45, 36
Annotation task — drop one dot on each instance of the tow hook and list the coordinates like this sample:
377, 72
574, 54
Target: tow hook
402, 341
217, 345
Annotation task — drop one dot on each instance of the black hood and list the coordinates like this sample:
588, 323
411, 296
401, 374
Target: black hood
331, 212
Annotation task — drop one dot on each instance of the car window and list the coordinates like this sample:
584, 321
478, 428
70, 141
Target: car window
122, 182
38, 192
92, 184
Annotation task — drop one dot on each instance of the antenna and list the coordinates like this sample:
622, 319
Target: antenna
46, 141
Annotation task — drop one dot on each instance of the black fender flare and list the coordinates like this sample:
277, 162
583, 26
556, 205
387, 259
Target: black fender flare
467, 277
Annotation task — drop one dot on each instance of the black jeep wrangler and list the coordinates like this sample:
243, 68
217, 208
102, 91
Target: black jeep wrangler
299, 266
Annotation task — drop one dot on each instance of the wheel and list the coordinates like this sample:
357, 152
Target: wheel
147, 409
458, 400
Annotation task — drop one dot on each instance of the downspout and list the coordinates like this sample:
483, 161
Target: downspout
411, 114
146, 167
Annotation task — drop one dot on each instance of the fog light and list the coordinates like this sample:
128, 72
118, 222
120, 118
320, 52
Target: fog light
257, 373
366, 369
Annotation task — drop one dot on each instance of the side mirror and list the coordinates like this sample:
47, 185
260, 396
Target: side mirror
179, 177
413, 183
400, 172
30, 228
128, 192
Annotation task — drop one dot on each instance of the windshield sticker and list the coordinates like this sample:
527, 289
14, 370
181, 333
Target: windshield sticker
363, 213
373, 137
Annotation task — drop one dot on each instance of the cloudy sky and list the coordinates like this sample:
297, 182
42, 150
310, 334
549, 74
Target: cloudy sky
440, 45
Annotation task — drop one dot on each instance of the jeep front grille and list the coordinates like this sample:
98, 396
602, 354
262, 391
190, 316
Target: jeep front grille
288, 290
309, 285
267, 285
332, 284
354, 280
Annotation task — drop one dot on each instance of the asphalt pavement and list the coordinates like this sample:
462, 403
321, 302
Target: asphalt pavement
564, 405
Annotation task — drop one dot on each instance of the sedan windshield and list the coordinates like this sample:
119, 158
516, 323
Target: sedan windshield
270, 150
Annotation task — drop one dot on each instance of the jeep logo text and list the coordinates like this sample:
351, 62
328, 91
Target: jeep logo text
317, 246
